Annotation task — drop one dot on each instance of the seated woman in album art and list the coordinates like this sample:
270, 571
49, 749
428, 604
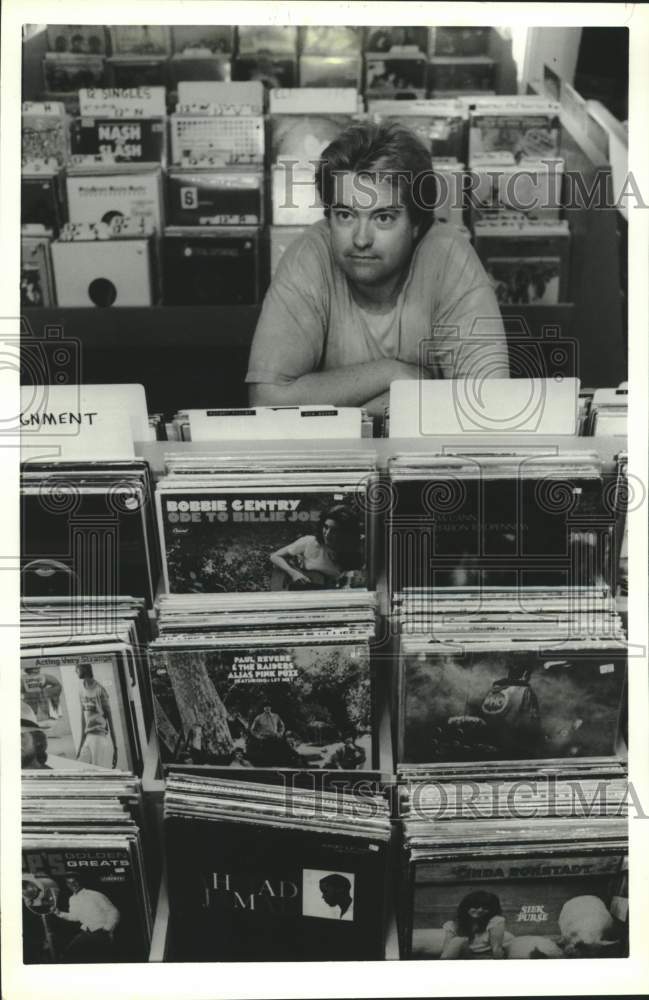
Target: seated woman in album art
328, 559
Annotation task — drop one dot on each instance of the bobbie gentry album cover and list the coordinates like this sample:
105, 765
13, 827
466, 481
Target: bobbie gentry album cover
508, 703
250, 540
512, 906
286, 706
82, 905
72, 713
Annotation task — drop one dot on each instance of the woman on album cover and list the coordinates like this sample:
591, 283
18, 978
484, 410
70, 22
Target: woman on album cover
478, 930
325, 559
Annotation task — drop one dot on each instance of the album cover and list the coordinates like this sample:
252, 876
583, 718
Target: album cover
528, 190
66, 73
119, 140
104, 272
36, 279
382, 39
133, 39
504, 703
288, 706
401, 75
60, 523
217, 140
42, 201
82, 905
330, 71
133, 72
302, 138
44, 135
525, 280
88, 39
101, 196
524, 133
448, 75
218, 38
215, 197
328, 41
506, 904
452, 41
528, 261
197, 65
270, 70
294, 196
211, 266
281, 237
256, 539
74, 705
267, 40
244, 892
443, 131
543, 531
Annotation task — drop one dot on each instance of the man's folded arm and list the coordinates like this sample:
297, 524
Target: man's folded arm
354, 385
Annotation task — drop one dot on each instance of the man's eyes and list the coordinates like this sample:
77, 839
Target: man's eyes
383, 218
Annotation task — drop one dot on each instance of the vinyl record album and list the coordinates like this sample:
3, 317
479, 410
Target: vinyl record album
219, 267
103, 273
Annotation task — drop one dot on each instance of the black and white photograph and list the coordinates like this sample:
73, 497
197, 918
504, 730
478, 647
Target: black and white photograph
330, 460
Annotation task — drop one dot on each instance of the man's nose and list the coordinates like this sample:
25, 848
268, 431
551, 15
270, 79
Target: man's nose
362, 233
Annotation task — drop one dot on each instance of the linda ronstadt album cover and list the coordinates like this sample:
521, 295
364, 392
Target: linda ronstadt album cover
251, 892
218, 541
510, 704
82, 906
291, 706
555, 905
72, 713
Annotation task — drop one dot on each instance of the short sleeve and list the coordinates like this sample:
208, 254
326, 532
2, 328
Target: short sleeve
496, 923
290, 336
468, 332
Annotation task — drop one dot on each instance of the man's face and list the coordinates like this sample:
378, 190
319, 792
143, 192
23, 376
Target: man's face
27, 748
267, 709
372, 237
73, 885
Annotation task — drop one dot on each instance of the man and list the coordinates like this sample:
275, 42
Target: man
267, 725
33, 745
97, 745
347, 757
354, 298
98, 919
336, 891
40, 691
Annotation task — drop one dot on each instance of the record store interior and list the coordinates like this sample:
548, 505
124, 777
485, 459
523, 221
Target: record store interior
222, 760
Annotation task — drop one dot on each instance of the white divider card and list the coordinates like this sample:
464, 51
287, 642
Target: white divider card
266, 423
302, 100
483, 406
119, 102
88, 411
82, 435
246, 94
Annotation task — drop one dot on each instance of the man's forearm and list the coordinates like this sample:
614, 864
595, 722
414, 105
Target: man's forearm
353, 385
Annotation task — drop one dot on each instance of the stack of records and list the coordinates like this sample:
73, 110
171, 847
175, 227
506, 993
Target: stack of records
262, 873
266, 681
88, 529
526, 259
271, 423
44, 137
515, 889
502, 519
140, 54
36, 277
268, 521
441, 125
85, 703
608, 412
268, 54
330, 56
201, 52
84, 884
519, 697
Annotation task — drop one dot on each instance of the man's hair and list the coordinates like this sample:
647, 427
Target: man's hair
381, 149
337, 883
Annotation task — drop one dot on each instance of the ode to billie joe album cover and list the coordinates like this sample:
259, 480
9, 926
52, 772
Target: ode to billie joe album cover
235, 541
291, 706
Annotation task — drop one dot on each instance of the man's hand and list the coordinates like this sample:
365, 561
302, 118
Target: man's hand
298, 577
